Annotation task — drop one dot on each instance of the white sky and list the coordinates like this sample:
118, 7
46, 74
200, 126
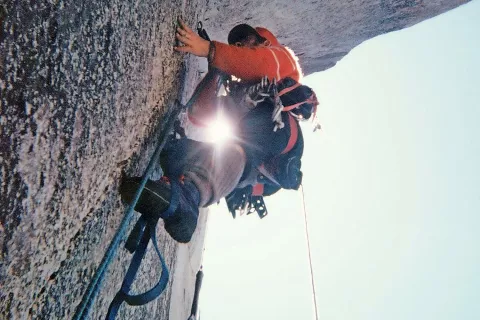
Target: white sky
392, 191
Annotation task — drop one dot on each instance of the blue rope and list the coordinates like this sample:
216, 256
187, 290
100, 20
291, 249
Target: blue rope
148, 233
94, 287
95, 284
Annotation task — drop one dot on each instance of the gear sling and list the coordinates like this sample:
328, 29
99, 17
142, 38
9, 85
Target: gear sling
282, 169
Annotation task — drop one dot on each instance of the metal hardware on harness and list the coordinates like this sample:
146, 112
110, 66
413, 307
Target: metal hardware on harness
277, 112
262, 90
242, 201
201, 32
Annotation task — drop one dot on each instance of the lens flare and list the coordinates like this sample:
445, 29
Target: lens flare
220, 130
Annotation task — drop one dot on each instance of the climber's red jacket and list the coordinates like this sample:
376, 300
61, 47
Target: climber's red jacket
253, 63
247, 63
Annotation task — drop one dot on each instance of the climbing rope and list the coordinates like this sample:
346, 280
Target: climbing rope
309, 253
142, 233
94, 287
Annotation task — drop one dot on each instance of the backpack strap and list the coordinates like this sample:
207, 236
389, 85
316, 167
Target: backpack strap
295, 95
259, 187
312, 99
293, 134
288, 89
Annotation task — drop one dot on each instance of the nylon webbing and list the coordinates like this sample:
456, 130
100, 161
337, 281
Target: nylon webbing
94, 286
148, 233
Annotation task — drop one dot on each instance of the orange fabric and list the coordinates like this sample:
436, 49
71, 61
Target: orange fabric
288, 89
293, 106
257, 189
268, 35
293, 134
206, 104
252, 63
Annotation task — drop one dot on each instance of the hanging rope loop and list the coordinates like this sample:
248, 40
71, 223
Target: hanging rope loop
147, 232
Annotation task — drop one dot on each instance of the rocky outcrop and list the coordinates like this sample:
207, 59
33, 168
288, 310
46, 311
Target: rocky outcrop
83, 88
322, 32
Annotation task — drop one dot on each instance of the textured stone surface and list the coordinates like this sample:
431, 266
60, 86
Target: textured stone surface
83, 87
321, 32
187, 263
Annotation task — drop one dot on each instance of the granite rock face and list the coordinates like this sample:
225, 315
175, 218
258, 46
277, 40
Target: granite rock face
321, 32
84, 86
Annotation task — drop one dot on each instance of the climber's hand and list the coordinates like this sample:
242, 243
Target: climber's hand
192, 43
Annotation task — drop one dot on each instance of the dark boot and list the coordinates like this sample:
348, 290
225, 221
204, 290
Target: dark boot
183, 222
181, 219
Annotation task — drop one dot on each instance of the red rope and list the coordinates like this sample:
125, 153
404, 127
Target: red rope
309, 254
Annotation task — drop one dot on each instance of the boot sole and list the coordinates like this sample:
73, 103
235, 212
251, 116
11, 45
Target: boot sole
153, 200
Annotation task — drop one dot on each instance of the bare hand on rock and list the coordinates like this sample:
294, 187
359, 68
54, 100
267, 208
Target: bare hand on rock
192, 42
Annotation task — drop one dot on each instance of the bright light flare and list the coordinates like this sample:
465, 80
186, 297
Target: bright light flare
220, 129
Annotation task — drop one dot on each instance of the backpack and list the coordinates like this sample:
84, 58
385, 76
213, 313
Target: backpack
300, 103
283, 171
298, 99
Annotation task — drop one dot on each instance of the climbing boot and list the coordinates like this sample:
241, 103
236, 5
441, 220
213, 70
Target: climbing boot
176, 202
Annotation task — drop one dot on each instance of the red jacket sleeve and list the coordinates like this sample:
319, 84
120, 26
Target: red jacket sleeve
205, 105
251, 64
